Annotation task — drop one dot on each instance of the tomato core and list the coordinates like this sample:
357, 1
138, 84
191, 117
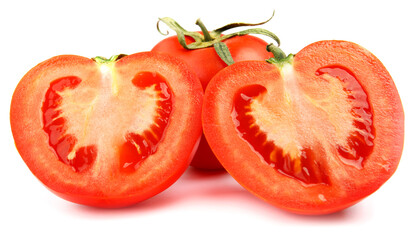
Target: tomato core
139, 146
54, 126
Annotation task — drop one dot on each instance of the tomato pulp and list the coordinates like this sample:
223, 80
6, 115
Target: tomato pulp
314, 133
206, 63
107, 133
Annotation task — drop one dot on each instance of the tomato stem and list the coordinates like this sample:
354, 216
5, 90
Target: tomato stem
279, 56
114, 58
215, 38
276, 51
207, 36
240, 24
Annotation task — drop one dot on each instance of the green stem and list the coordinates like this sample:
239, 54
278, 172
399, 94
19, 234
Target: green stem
279, 59
276, 51
240, 24
208, 39
205, 31
216, 37
114, 58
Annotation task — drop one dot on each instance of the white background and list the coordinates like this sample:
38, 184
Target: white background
199, 205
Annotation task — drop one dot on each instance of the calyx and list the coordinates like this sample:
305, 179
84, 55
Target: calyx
216, 37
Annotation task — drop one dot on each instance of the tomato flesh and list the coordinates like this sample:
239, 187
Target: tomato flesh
303, 166
107, 133
360, 142
139, 146
314, 134
54, 126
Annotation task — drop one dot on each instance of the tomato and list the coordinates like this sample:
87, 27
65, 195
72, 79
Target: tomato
312, 133
206, 63
107, 133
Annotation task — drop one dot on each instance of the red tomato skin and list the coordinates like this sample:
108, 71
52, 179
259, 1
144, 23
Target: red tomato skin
111, 189
206, 63
285, 192
204, 157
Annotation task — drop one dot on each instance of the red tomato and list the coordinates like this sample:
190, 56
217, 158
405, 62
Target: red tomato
107, 134
206, 63
312, 134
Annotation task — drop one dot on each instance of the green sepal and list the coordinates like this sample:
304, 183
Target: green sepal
280, 62
180, 31
224, 53
220, 30
208, 39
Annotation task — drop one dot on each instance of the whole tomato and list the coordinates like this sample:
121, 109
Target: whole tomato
206, 62
199, 51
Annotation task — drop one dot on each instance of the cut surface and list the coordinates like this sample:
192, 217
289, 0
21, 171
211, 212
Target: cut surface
286, 131
107, 133
360, 141
67, 104
139, 146
65, 144
313, 135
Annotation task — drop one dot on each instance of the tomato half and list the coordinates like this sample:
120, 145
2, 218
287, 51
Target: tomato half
312, 134
206, 63
107, 134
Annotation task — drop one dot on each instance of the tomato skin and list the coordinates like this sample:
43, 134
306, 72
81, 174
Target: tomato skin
104, 184
347, 184
206, 63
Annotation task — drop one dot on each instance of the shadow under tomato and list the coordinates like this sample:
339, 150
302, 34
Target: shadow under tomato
197, 186
193, 185
352, 214
167, 197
